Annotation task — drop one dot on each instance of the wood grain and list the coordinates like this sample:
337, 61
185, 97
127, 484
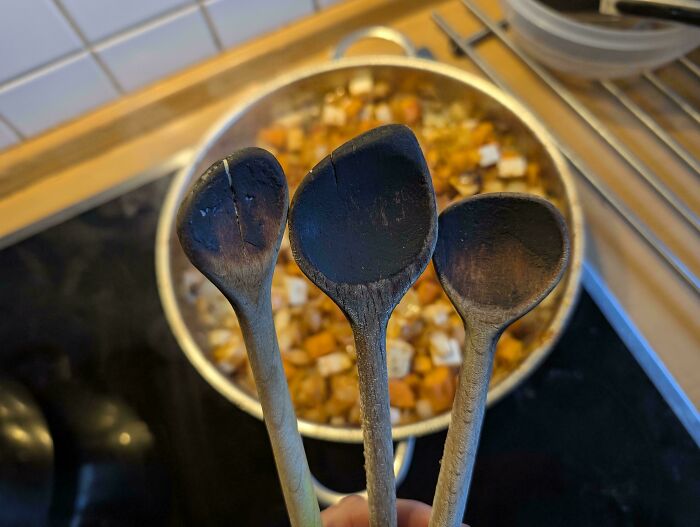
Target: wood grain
230, 226
497, 257
362, 227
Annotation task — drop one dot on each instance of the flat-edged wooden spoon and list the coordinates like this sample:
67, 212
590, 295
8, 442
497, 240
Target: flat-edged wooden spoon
230, 226
497, 257
363, 226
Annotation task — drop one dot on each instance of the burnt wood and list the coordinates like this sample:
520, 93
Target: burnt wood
362, 227
230, 226
497, 256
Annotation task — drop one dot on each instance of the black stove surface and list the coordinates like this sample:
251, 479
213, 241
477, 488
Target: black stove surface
140, 439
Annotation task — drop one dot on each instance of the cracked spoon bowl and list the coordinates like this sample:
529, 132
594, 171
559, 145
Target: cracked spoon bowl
230, 226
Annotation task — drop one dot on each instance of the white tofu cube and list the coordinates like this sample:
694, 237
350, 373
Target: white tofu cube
219, 337
333, 363
399, 354
438, 314
512, 167
333, 115
424, 409
361, 84
383, 113
394, 415
489, 155
297, 290
444, 351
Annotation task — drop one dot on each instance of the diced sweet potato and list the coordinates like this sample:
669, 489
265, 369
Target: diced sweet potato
289, 369
483, 133
310, 390
428, 292
400, 394
439, 388
510, 349
320, 344
355, 415
422, 364
274, 136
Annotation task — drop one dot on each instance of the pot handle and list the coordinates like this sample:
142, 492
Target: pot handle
380, 32
402, 461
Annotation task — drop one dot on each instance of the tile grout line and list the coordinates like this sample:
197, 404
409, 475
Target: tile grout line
88, 47
44, 66
4, 120
210, 24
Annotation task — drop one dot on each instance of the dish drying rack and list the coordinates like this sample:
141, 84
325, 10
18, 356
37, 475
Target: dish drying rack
654, 326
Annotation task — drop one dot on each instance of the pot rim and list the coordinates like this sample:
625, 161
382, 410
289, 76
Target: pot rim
180, 185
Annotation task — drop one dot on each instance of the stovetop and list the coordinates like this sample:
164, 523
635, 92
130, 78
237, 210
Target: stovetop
140, 439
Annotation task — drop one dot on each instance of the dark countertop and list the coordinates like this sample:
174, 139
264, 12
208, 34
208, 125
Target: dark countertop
587, 440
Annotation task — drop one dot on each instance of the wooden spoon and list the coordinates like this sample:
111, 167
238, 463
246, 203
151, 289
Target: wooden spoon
362, 226
497, 257
231, 226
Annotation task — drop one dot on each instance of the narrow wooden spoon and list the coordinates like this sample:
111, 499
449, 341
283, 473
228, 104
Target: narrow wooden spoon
363, 226
497, 257
231, 226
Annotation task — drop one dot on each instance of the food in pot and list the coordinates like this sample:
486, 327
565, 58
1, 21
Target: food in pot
467, 154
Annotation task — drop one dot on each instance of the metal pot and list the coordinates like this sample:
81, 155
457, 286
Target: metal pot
239, 129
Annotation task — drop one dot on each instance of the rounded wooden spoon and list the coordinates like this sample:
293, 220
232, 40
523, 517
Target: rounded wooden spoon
497, 257
363, 226
231, 226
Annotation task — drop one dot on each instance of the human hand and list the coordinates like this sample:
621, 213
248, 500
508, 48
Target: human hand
353, 511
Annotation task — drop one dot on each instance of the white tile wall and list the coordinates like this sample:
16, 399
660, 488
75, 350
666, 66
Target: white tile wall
32, 33
236, 20
98, 19
7, 136
53, 95
158, 49
48, 49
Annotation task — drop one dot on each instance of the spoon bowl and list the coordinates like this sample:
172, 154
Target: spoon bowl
501, 254
366, 215
362, 227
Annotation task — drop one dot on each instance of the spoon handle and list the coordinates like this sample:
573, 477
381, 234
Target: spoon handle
370, 343
465, 427
280, 419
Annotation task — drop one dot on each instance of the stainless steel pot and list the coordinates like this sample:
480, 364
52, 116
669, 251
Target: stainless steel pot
239, 128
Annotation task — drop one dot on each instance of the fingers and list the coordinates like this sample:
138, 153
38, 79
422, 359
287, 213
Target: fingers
351, 511
412, 513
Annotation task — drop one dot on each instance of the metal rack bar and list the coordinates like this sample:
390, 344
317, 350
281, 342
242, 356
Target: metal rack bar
649, 177
651, 124
690, 66
673, 95
628, 216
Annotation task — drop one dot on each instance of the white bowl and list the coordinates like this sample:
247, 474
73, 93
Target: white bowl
594, 51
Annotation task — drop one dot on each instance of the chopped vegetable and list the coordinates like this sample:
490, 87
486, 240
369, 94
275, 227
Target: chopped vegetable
467, 154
